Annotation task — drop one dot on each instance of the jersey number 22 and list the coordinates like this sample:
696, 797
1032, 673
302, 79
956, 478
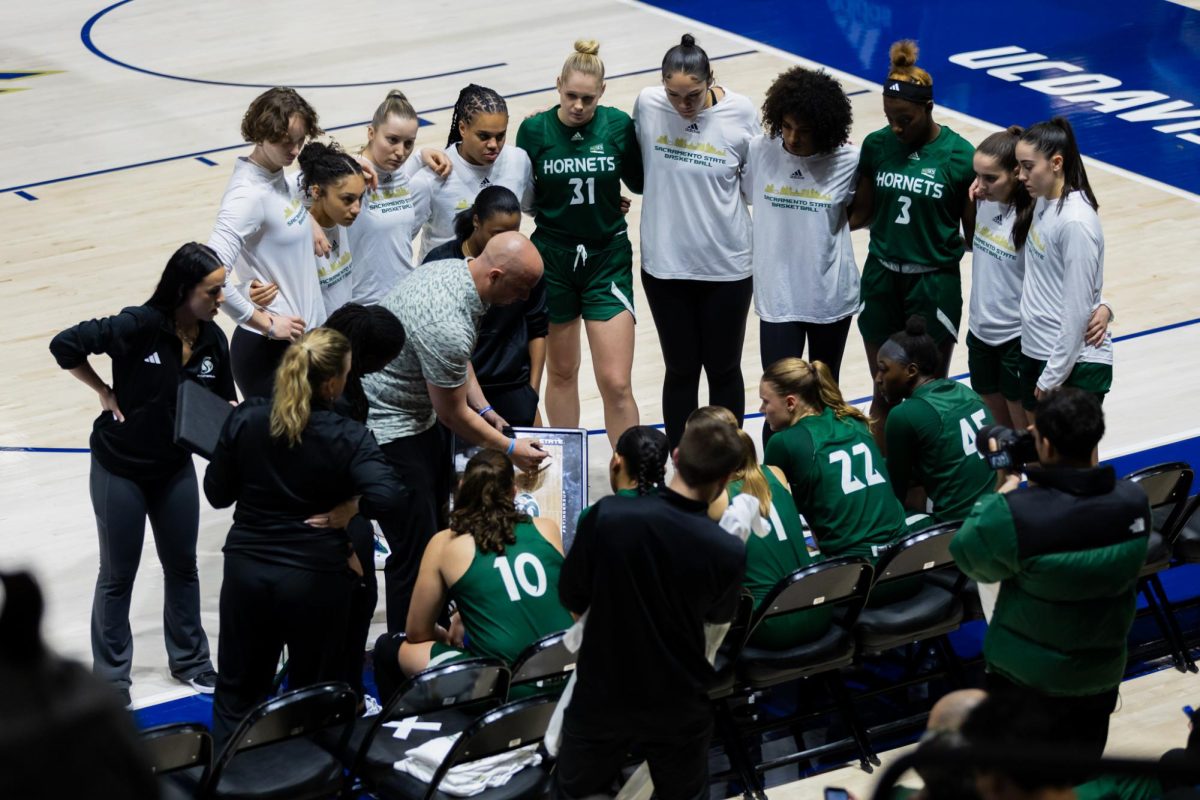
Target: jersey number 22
850, 482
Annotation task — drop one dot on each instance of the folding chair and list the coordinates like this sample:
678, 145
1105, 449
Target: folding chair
433, 703
271, 753
1167, 487
542, 667
177, 747
501, 730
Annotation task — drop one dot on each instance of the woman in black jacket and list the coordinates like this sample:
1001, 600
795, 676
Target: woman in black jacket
137, 469
289, 565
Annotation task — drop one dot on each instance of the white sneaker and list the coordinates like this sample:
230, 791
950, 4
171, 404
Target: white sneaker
382, 551
371, 706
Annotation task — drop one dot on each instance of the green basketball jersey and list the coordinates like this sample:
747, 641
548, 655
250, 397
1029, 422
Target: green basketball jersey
931, 441
768, 559
839, 483
577, 174
509, 601
919, 197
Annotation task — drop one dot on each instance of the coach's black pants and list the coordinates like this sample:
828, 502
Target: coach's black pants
363, 598
701, 325
518, 405
263, 607
423, 466
1080, 721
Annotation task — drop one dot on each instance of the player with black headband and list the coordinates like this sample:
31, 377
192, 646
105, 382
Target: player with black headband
913, 190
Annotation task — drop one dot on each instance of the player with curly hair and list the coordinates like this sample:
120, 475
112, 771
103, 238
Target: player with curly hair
800, 178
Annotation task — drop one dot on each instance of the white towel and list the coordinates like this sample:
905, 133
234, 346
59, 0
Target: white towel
465, 780
742, 517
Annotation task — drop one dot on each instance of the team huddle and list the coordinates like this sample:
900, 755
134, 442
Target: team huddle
359, 351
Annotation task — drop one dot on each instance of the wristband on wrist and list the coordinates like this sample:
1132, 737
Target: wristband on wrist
512, 443
484, 410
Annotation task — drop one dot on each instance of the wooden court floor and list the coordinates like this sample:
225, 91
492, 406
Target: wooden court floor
165, 87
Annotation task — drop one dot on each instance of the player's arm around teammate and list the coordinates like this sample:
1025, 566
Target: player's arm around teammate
695, 230
800, 178
913, 190
580, 152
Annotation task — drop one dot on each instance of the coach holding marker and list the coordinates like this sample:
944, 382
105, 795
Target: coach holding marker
432, 380
1067, 550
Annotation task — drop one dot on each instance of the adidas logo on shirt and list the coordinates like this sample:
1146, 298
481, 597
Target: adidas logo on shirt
693, 128
914, 156
484, 183
895, 87
152, 359
996, 220
797, 175
578, 137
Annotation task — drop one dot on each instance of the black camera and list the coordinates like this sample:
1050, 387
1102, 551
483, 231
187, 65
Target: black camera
1014, 449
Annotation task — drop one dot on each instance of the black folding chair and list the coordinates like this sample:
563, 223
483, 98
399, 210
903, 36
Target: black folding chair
543, 667
501, 730
437, 702
178, 747
1167, 487
272, 753
837, 583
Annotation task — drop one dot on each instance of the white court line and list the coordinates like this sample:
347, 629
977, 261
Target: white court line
875, 87
1159, 441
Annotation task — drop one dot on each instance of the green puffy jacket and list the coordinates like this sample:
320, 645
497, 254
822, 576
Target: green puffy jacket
1067, 551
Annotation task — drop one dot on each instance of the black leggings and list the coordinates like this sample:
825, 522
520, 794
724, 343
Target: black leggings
254, 359
363, 599
826, 343
701, 325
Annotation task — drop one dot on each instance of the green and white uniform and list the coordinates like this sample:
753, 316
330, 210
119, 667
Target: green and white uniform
581, 232
839, 483
994, 325
916, 244
508, 601
931, 441
768, 559
618, 493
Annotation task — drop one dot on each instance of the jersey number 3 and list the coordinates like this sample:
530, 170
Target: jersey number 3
577, 198
850, 482
518, 573
905, 202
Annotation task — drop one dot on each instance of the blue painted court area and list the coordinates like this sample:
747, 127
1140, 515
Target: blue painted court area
1127, 75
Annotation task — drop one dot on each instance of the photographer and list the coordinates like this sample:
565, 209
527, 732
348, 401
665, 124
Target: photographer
1067, 550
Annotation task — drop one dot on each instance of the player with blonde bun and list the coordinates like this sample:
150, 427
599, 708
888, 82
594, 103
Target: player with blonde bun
581, 152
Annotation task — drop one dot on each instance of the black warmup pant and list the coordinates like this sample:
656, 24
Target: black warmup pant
1078, 721
701, 325
254, 359
263, 607
423, 466
363, 598
826, 343
121, 506
517, 404
588, 765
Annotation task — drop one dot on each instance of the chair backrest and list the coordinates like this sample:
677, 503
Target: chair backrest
1167, 487
301, 712
919, 552
180, 745
544, 661
481, 682
512, 725
838, 581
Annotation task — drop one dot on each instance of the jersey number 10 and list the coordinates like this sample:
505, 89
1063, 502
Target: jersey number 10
523, 564
577, 198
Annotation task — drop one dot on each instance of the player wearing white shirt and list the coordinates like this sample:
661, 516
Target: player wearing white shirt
479, 158
262, 231
333, 183
800, 178
394, 211
695, 229
1064, 268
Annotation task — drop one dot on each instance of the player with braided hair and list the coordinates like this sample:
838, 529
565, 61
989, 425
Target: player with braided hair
638, 465
479, 158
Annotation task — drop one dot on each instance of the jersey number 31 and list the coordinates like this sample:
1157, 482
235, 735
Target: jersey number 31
577, 198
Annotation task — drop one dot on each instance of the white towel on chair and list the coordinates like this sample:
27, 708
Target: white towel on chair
471, 778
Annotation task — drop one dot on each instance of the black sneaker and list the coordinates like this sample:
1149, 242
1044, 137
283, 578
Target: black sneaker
124, 698
204, 683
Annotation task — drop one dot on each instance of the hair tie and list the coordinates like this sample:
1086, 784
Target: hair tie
907, 90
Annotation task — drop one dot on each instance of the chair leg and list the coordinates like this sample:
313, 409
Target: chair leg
954, 669
1163, 625
866, 756
735, 749
1165, 604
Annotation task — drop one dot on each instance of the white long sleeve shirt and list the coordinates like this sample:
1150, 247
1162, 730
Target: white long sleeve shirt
997, 274
804, 268
1064, 274
695, 223
336, 269
382, 236
456, 192
263, 231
